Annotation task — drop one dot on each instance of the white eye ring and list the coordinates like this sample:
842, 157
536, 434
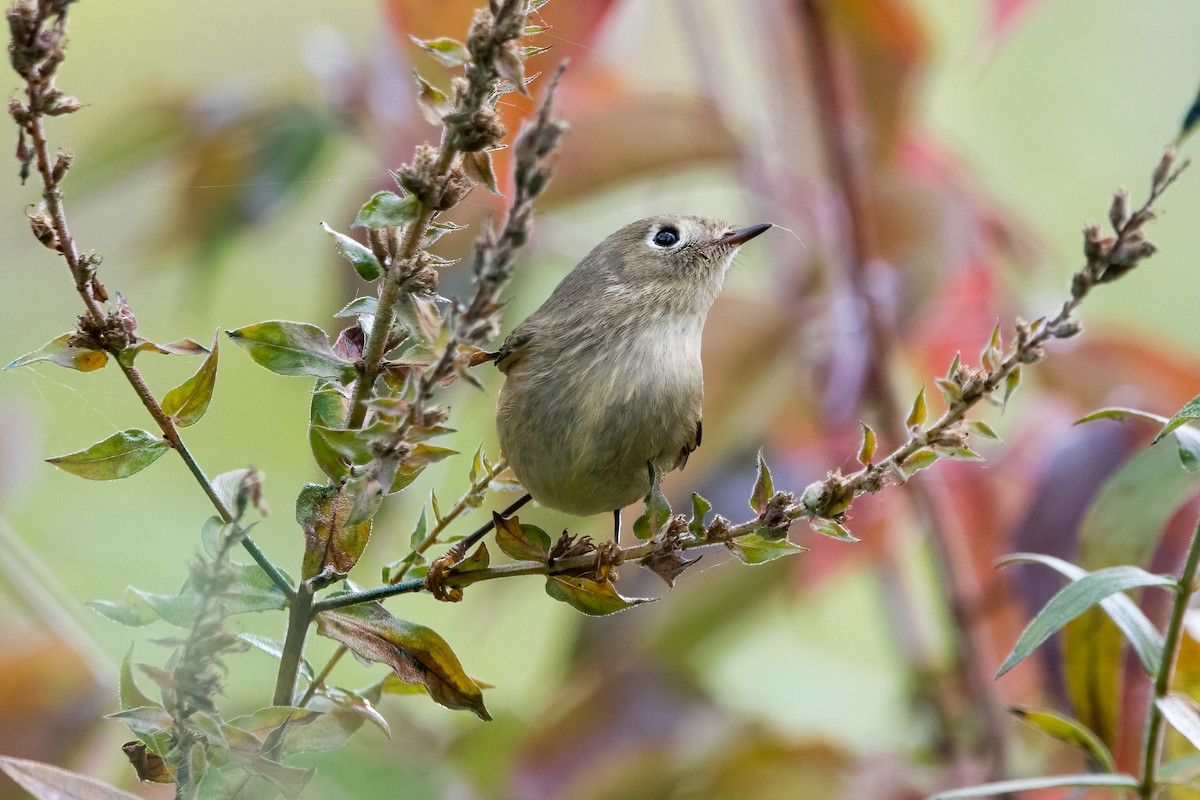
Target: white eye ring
665, 237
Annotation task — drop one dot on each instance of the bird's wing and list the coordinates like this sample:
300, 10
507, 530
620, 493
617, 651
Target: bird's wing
688, 447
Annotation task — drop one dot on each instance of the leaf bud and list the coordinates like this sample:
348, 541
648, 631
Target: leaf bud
43, 229
1066, 329
1118, 212
61, 164
1095, 244
1163, 171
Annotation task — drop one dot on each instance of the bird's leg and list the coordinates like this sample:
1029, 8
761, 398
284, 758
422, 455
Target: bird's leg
652, 505
617, 525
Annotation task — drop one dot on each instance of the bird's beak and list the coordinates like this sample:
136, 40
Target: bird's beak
744, 235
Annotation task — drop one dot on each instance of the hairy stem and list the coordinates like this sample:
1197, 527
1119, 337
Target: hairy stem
389, 297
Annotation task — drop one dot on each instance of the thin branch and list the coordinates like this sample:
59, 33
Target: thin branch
42, 98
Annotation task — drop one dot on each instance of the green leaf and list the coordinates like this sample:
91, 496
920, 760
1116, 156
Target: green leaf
754, 549
916, 417
439, 229
45, 782
1123, 525
352, 444
416, 653
1029, 784
1145, 639
328, 409
366, 497
365, 263
764, 488
274, 649
132, 611
982, 429
343, 713
1183, 714
521, 542
130, 695
212, 535
293, 348
331, 538
1181, 770
832, 528
188, 402
700, 507
866, 450
1189, 412
417, 538
265, 721
367, 306
958, 453
433, 102
656, 510
119, 456
476, 561
1075, 598
448, 51
922, 459
420, 317
991, 356
155, 737
1068, 730
57, 351
1010, 384
1186, 438
252, 590
594, 598
387, 210
153, 718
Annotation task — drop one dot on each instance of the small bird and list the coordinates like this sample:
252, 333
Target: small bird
604, 384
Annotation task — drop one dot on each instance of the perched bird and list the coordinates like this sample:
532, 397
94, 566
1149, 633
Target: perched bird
604, 383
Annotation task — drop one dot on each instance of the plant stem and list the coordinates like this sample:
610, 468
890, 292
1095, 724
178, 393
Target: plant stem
389, 296
293, 645
358, 598
1162, 681
81, 268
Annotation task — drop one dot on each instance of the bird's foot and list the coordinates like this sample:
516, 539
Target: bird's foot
439, 571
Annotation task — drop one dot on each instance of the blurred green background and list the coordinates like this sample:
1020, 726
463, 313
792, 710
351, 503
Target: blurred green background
1025, 127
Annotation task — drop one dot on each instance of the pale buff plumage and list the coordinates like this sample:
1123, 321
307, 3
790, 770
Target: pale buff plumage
604, 381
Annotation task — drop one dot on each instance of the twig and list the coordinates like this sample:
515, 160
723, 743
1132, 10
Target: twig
37, 54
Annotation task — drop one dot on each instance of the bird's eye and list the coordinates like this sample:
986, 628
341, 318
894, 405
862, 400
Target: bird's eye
666, 237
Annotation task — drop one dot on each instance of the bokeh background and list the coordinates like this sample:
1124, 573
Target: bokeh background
930, 164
